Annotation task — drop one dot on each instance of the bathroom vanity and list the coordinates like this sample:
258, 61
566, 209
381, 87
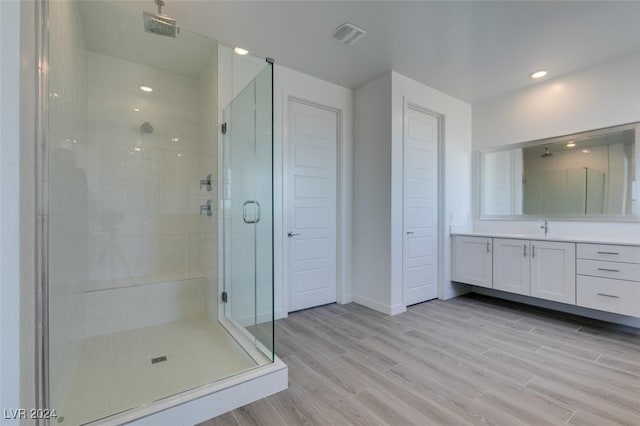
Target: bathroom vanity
596, 274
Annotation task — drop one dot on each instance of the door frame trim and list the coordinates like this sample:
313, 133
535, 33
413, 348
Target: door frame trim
407, 104
340, 232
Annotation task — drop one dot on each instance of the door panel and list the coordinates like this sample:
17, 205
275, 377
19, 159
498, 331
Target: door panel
311, 205
511, 265
472, 262
553, 271
247, 208
420, 207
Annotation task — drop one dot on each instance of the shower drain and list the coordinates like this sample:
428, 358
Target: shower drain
158, 359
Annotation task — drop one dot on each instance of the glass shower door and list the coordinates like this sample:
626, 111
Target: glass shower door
248, 211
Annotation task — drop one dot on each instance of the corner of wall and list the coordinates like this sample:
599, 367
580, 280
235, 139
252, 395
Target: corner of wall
372, 194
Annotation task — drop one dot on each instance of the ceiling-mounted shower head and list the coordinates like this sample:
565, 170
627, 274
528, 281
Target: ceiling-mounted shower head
159, 23
547, 153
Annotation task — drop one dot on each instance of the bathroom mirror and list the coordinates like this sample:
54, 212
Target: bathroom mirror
590, 175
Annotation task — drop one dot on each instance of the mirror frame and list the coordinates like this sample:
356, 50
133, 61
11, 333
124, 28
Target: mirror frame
545, 141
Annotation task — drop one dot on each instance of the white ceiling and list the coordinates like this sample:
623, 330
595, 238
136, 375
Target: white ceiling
471, 50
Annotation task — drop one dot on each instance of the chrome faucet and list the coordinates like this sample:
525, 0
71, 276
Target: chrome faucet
545, 227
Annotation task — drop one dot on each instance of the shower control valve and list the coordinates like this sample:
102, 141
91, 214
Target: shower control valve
208, 182
206, 209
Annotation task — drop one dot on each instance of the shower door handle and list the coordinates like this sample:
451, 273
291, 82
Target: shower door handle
258, 214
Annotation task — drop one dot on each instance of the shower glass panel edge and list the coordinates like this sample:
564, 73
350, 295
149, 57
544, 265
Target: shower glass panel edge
259, 346
247, 211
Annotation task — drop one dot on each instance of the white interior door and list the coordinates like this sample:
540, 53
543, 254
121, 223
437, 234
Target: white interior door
311, 205
420, 207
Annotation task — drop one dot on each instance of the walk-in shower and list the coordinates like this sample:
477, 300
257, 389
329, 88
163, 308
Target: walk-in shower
145, 293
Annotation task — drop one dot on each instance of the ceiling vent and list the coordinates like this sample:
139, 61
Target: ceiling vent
348, 33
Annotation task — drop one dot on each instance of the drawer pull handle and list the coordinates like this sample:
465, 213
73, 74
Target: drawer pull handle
609, 295
607, 252
608, 270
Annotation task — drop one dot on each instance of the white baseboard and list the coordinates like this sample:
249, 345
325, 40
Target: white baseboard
377, 306
201, 404
562, 307
344, 299
455, 290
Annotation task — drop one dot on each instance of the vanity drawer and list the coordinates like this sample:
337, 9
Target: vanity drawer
628, 254
604, 294
617, 270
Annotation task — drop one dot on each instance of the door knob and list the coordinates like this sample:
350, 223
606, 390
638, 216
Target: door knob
292, 234
410, 232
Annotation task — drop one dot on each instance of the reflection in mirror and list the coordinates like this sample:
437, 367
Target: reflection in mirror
588, 174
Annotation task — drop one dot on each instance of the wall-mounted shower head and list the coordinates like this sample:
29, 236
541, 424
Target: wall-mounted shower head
547, 153
159, 23
146, 128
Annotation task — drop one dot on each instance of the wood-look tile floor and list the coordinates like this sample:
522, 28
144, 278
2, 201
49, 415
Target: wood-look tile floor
470, 360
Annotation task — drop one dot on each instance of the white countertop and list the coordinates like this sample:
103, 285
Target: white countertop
551, 237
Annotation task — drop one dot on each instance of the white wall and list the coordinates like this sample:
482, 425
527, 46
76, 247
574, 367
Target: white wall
372, 194
289, 83
604, 95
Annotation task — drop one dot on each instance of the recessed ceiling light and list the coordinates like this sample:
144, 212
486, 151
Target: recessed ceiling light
571, 144
137, 149
146, 89
240, 51
175, 140
539, 74
136, 109
586, 151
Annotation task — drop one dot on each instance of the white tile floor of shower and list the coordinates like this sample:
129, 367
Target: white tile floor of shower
114, 372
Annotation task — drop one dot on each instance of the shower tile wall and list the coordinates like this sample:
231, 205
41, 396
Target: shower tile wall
209, 131
147, 263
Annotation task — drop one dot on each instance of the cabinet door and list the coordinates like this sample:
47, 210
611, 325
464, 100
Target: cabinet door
472, 261
553, 271
511, 265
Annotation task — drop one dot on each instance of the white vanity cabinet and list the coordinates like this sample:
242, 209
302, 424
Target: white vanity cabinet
609, 278
553, 271
542, 269
472, 261
511, 265
589, 274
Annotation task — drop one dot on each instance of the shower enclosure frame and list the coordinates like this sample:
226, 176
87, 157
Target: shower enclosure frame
42, 208
270, 378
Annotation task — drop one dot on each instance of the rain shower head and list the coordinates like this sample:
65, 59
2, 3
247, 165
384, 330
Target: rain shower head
159, 23
547, 153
